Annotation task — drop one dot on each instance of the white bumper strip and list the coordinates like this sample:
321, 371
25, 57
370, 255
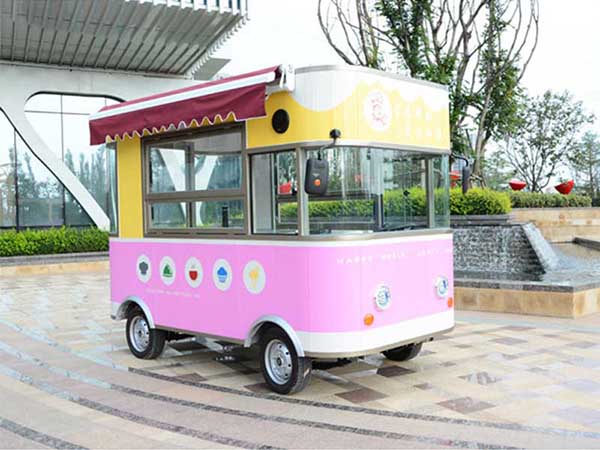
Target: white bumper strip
356, 342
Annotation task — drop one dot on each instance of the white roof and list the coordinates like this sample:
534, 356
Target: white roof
154, 36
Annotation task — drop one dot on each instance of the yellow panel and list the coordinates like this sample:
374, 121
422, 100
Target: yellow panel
129, 176
410, 123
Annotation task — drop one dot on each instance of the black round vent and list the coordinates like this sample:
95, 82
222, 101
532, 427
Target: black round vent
281, 121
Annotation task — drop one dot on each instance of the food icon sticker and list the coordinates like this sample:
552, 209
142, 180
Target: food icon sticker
143, 268
222, 275
167, 270
254, 277
193, 272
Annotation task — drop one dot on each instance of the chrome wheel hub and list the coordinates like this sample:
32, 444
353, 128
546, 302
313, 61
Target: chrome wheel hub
278, 361
139, 333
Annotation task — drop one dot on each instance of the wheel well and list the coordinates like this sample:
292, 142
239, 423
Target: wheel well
262, 329
268, 322
129, 304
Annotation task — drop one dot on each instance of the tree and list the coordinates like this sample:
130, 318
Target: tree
547, 132
350, 29
479, 48
497, 172
585, 162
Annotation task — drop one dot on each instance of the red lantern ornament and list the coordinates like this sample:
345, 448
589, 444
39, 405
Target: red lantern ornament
565, 188
517, 185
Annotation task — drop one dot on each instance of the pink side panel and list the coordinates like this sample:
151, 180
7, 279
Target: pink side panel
314, 288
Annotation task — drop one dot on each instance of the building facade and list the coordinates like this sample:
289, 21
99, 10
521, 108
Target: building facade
61, 60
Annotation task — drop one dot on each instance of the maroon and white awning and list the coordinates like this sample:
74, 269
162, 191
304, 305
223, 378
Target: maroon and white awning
242, 97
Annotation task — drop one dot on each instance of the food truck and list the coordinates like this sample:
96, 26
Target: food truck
305, 211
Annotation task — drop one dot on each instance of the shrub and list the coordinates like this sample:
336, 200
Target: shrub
541, 200
53, 240
478, 202
410, 202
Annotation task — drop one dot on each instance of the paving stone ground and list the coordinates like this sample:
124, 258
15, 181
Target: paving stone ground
67, 380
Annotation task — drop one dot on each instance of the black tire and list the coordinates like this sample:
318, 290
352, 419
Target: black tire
292, 374
153, 339
403, 353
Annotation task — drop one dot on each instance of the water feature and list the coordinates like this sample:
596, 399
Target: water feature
512, 268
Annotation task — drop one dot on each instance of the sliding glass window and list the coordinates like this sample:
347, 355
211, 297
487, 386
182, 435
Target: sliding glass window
194, 183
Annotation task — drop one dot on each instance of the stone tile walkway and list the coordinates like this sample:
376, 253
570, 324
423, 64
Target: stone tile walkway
67, 380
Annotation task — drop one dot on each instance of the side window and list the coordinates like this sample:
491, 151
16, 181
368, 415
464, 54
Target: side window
274, 193
194, 183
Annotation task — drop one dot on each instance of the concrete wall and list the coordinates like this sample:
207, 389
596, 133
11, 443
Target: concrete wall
562, 224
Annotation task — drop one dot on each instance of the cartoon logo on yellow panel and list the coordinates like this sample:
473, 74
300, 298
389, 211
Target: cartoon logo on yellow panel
254, 277
378, 110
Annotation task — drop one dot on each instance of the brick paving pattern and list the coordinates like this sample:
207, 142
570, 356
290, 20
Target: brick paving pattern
67, 380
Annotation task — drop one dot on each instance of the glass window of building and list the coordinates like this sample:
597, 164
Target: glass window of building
30, 195
62, 123
194, 183
8, 165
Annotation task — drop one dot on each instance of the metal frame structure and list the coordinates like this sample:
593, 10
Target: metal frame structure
174, 37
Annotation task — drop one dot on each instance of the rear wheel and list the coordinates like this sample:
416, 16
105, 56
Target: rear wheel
283, 370
403, 353
144, 342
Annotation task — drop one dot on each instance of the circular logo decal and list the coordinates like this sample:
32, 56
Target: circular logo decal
193, 272
222, 275
254, 277
383, 297
441, 287
143, 268
378, 110
167, 270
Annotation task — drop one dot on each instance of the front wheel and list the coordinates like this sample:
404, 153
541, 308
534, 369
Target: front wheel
283, 370
144, 342
403, 353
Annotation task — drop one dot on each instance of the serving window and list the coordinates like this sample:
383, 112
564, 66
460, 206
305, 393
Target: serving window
194, 183
274, 193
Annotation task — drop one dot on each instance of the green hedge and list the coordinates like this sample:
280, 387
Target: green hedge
52, 240
396, 203
478, 202
541, 200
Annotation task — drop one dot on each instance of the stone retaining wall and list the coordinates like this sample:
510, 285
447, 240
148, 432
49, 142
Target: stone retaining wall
494, 249
53, 264
567, 303
561, 224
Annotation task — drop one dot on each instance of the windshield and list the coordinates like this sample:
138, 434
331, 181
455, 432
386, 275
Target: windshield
378, 190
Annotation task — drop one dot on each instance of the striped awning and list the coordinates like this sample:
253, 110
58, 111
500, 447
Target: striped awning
240, 97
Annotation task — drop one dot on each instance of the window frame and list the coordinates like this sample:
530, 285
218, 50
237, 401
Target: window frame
300, 188
428, 171
190, 197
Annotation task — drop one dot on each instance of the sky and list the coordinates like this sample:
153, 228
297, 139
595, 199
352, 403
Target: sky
287, 31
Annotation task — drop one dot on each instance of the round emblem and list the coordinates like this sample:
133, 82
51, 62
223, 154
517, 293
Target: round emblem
193, 272
383, 297
378, 110
222, 275
254, 277
143, 268
441, 287
167, 270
